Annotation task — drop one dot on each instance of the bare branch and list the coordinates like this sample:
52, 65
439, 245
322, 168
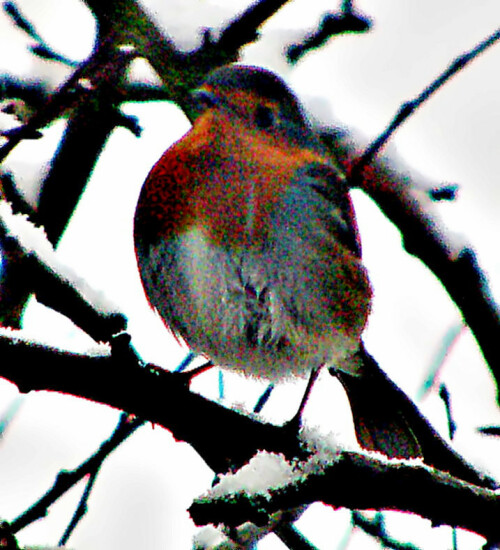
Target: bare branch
129, 23
292, 537
66, 479
86, 134
408, 108
332, 24
41, 48
150, 393
375, 527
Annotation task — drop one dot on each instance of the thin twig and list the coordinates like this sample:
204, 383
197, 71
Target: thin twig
81, 509
264, 398
444, 394
446, 346
42, 48
410, 107
375, 527
293, 538
66, 479
347, 20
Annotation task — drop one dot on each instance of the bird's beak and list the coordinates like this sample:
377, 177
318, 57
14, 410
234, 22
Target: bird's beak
203, 99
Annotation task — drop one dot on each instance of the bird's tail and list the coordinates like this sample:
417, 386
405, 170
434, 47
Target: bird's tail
386, 420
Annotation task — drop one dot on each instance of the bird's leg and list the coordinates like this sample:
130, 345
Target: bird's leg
295, 420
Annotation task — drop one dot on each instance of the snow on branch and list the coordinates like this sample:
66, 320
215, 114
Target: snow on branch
357, 481
36, 268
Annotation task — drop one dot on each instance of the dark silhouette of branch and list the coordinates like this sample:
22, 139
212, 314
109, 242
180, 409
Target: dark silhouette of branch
444, 394
348, 20
408, 108
41, 48
10, 192
66, 479
157, 396
151, 394
129, 23
13, 295
7, 538
81, 509
292, 538
264, 398
375, 527
448, 342
444, 192
25, 272
85, 136
489, 430
359, 481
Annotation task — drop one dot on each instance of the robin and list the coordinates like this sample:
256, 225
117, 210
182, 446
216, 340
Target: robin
248, 247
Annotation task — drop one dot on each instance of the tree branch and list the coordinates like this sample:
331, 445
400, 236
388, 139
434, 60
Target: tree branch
359, 481
150, 393
408, 108
66, 479
347, 20
157, 395
129, 23
26, 272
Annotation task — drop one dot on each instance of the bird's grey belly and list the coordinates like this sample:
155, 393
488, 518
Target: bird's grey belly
269, 313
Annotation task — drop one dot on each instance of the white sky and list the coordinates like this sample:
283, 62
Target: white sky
144, 489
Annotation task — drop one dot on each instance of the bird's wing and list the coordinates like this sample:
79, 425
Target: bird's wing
316, 208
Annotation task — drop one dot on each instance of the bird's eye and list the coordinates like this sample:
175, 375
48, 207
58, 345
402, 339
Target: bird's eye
264, 117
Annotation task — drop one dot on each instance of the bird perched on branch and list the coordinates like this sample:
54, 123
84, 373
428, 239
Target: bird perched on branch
248, 248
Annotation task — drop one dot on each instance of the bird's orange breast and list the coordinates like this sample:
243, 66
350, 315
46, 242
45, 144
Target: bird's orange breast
222, 179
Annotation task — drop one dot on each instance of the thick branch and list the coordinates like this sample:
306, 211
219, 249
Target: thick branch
159, 396
25, 272
362, 482
152, 394
85, 136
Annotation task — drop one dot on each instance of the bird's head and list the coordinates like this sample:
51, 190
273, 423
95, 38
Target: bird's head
255, 97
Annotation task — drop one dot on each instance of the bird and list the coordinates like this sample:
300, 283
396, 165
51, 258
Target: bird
245, 235
248, 248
